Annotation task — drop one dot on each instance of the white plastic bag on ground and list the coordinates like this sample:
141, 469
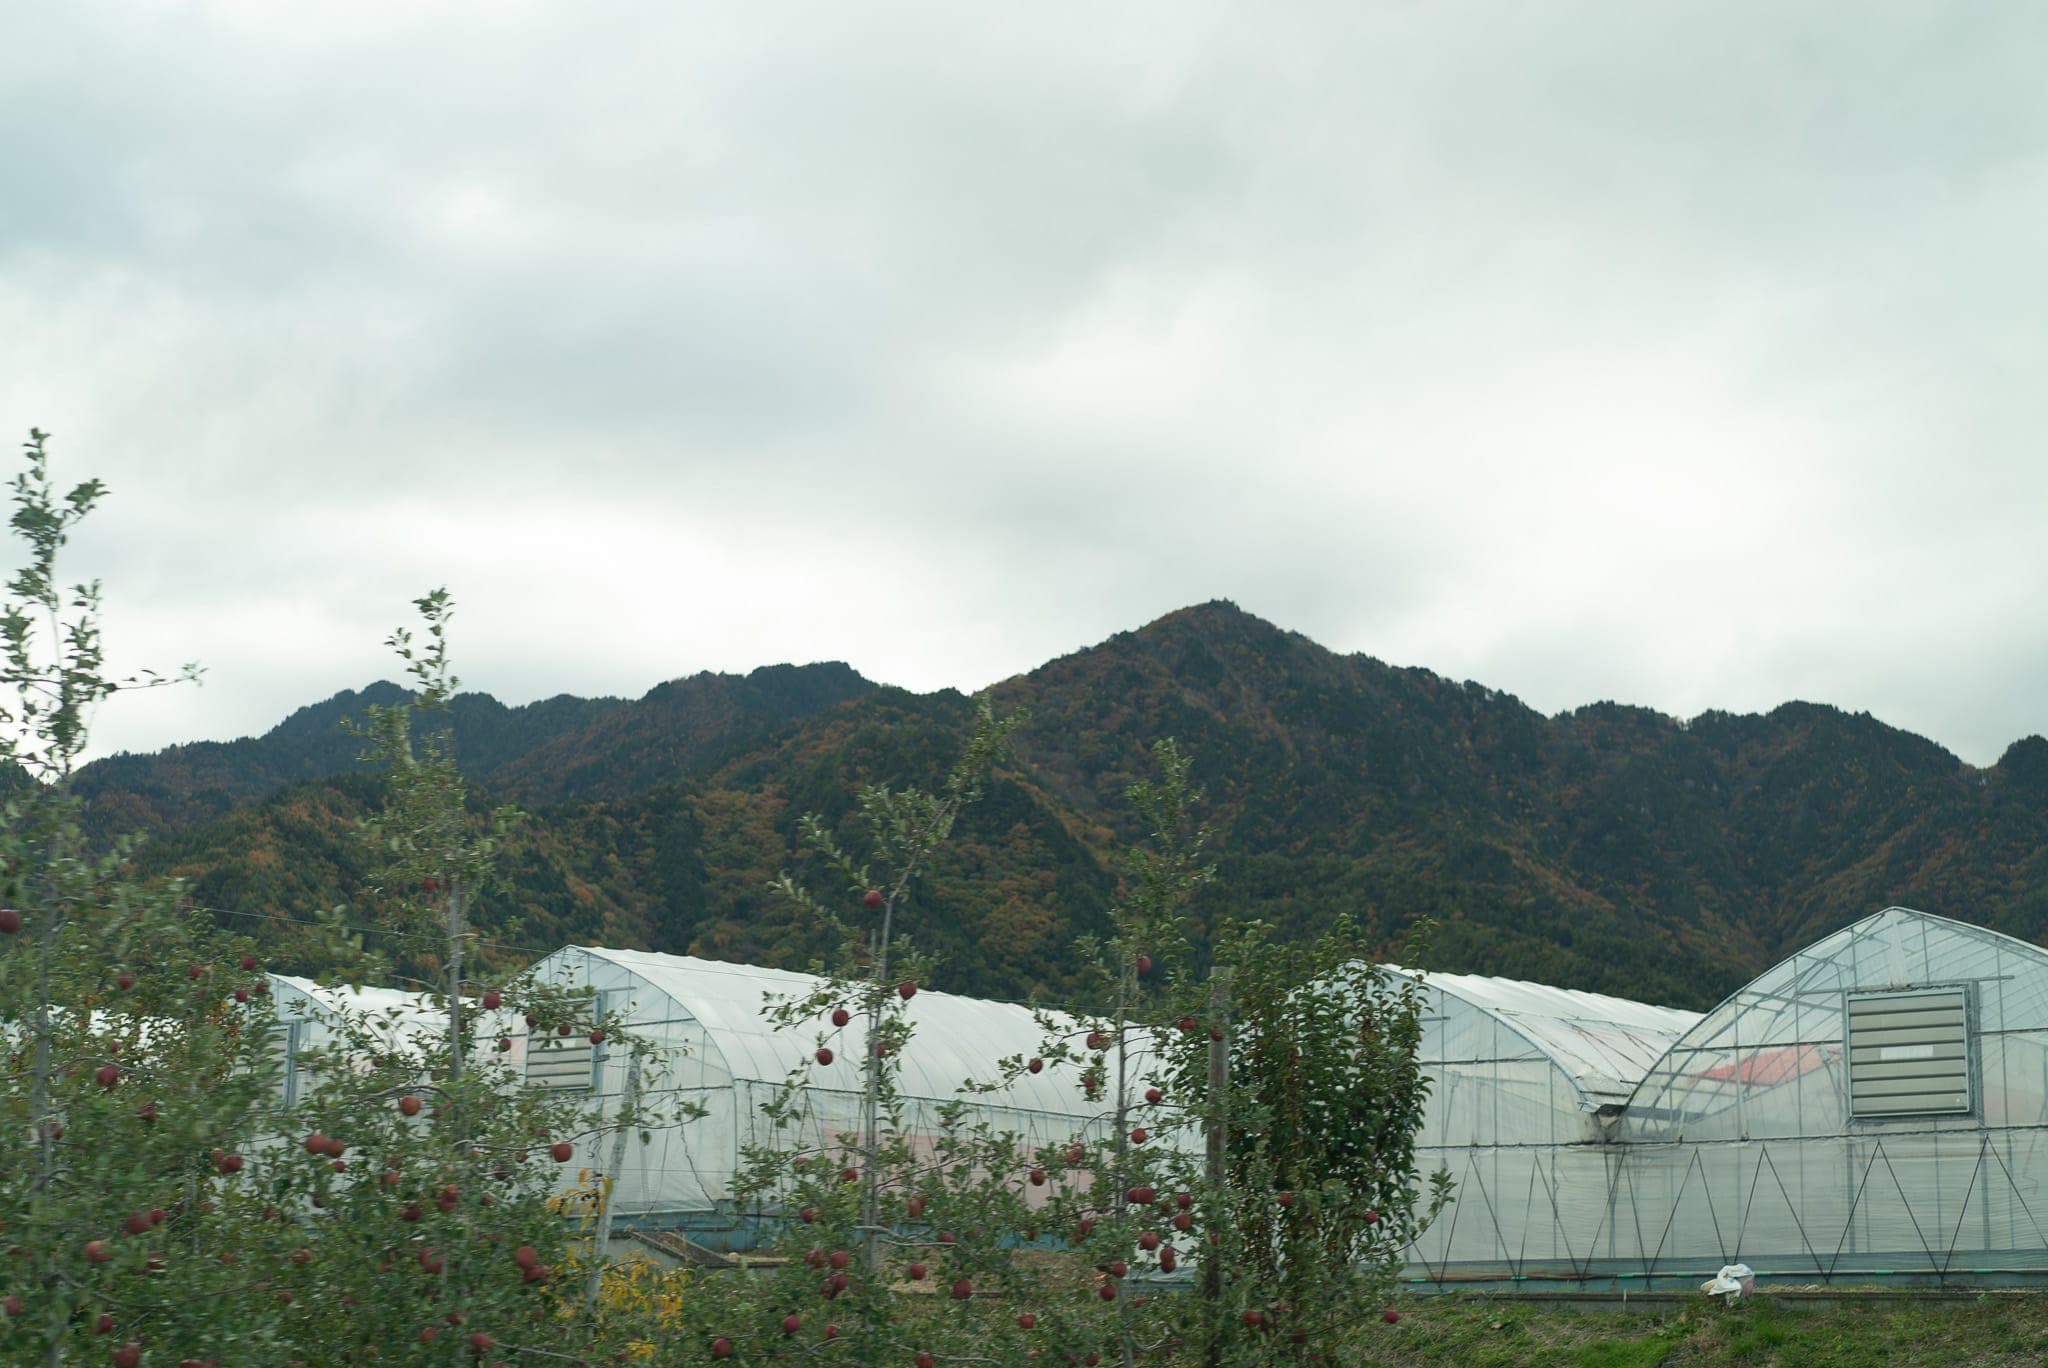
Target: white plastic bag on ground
1734, 1280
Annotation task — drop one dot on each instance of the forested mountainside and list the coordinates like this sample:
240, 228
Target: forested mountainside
1609, 848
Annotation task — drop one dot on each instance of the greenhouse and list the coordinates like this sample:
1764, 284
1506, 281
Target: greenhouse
314, 1017
1874, 1106
1527, 1084
719, 1051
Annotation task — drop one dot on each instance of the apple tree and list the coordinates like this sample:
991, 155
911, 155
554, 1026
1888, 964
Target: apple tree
134, 1065
421, 1178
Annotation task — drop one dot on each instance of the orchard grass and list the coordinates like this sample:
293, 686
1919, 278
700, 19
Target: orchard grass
1787, 1330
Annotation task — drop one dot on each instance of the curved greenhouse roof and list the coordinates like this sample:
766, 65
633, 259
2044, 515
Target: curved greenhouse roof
956, 1038
722, 1055
1772, 1058
1604, 1045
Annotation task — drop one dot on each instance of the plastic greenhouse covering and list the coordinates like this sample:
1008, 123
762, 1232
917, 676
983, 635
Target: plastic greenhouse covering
1875, 1107
721, 1052
1525, 1085
1748, 1141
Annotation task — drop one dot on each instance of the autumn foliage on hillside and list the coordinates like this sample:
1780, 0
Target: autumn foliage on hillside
1609, 848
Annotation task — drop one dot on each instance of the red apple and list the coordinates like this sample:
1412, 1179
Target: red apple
1141, 1195
1254, 1318
963, 1288
1139, 1136
925, 1360
526, 1256
480, 1344
914, 1205
790, 1324
128, 1355
840, 1016
106, 1075
13, 1306
96, 1251
1144, 965
249, 963
1034, 1065
562, 1150
721, 1347
1372, 1217
872, 898
824, 1054
1285, 1199
1187, 1024
917, 1272
10, 921
124, 980
104, 1325
229, 1164
564, 1029
1038, 1177
1107, 1291
493, 1000
1391, 1316
1182, 1221
1118, 1268
1154, 1096
1026, 1321
1168, 1260
597, 1037
849, 1175
807, 1215
838, 1259
1148, 1241
409, 1105
906, 990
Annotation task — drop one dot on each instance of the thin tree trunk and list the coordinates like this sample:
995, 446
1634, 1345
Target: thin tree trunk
871, 1127
1218, 1136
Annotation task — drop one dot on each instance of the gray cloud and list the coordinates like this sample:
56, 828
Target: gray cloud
1675, 354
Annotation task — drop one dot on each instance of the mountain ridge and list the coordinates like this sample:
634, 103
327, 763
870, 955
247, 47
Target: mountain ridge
1608, 846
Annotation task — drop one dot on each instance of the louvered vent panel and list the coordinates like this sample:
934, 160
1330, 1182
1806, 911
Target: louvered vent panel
1909, 1053
554, 1061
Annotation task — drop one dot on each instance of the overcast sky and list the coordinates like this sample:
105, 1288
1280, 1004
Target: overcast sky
1690, 355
